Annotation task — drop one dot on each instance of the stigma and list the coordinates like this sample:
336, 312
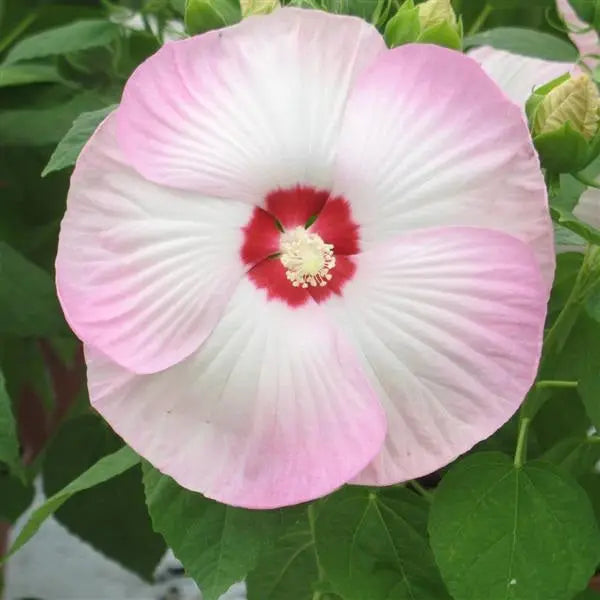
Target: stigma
306, 257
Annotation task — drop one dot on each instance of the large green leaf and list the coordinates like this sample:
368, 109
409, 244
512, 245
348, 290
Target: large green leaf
287, 570
80, 35
373, 544
574, 455
111, 516
44, 126
15, 497
217, 544
528, 42
23, 74
9, 443
70, 146
589, 390
505, 533
588, 595
591, 484
28, 302
106, 468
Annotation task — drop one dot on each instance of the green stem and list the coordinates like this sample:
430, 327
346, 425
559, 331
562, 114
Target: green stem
521, 450
321, 572
419, 488
586, 180
556, 384
561, 328
480, 20
586, 282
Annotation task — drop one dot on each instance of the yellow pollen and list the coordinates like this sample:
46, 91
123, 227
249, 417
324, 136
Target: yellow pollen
307, 258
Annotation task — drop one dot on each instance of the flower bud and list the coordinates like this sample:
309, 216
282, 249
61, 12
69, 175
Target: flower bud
575, 100
565, 119
435, 12
431, 22
258, 7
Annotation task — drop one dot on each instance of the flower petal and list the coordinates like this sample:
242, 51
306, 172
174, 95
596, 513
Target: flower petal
588, 207
429, 140
450, 322
274, 409
518, 75
587, 40
143, 272
242, 111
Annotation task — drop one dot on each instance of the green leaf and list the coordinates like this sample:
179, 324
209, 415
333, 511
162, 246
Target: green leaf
528, 42
9, 443
562, 416
80, 35
563, 150
70, 146
205, 15
567, 219
106, 468
44, 126
588, 595
404, 26
217, 544
13, 75
442, 34
28, 302
593, 305
505, 533
15, 497
574, 455
111, 516
591, 484
288, 569
373, 544
589, 391
567, 267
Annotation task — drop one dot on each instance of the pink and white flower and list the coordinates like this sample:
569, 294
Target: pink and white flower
299, 259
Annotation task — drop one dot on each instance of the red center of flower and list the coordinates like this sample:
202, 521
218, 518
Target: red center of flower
300, 245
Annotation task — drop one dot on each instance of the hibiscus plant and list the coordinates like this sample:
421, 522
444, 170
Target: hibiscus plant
306, 291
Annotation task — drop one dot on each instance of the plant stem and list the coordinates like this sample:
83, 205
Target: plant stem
586, 180
559, 332
521, 450
556, 384
480, 19
311, 522
419, 488
586, 282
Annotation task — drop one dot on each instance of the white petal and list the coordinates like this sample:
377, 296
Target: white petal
274, 409
242, 111
518, 75
143, 272
429, 140
588, 207
450, 323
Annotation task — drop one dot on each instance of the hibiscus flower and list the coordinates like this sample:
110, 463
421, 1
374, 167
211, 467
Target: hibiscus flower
299, 259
